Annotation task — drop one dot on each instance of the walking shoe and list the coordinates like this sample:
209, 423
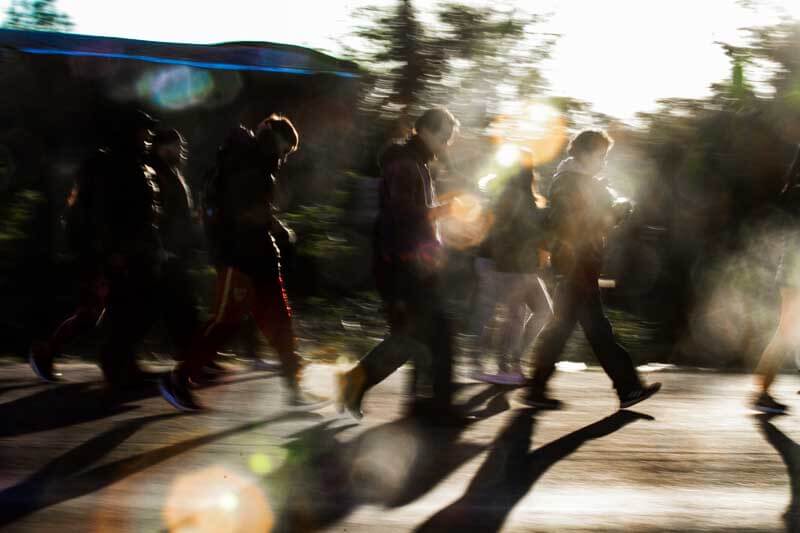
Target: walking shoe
41, 360
766, 404
540, 400
638, 395
350, 392
176, 391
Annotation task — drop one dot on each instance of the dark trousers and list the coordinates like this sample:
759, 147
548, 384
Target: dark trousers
132, 307
577, 300
419, 331
178, 303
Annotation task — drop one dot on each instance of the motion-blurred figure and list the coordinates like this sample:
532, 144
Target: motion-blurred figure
408, 261
180, 235
111, 222
787, 336
508, 264
582, 210
242, 230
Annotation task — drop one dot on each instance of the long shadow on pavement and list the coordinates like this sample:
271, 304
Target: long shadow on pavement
323, 479
510, 471
69, 476
18, 386
67, 404
790, 453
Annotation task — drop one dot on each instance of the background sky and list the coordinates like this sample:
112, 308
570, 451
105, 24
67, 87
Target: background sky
620, 55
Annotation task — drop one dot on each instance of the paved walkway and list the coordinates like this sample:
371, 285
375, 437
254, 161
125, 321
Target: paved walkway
74, 457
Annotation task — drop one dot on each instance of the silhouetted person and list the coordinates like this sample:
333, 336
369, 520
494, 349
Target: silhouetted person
242, 230
508, 264
128, 216
408, 260
582, 210
787, 335
179, 228
111, 222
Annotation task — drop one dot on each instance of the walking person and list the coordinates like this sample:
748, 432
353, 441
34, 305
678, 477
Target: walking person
111, 222
787, 335
179, 228
582, 210
407, 264
242, 230
511, 257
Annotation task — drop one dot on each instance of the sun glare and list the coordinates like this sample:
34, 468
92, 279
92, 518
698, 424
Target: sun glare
507, 155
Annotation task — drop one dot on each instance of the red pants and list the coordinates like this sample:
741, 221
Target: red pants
237, 295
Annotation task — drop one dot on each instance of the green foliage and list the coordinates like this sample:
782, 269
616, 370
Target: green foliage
36, 15
16, 218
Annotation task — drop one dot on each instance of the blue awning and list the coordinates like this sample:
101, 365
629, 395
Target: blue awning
241, 56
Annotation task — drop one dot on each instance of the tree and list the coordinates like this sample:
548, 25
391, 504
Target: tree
36, 15
473, 59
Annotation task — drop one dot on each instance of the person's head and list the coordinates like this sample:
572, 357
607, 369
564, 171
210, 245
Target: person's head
277, 138
170, 146
131, 131
436, 128
590, 148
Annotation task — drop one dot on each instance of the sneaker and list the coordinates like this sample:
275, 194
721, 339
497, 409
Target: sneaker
638, 395
767, 404
176, 391
41, 360
350, 393
540, 400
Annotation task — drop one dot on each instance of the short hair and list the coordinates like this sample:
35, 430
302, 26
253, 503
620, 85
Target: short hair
282, 127
588, 141
435, 119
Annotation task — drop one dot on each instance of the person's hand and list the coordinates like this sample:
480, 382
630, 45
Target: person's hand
291, 236
621, 209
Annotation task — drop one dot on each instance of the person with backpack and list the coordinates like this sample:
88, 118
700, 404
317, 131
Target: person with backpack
582, 211
242, 229
787, 335
110, 222
508, 264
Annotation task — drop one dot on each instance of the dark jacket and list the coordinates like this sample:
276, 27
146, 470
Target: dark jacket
581, 213
517, 232
245, 224
117, 208
404, 231
179, 225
